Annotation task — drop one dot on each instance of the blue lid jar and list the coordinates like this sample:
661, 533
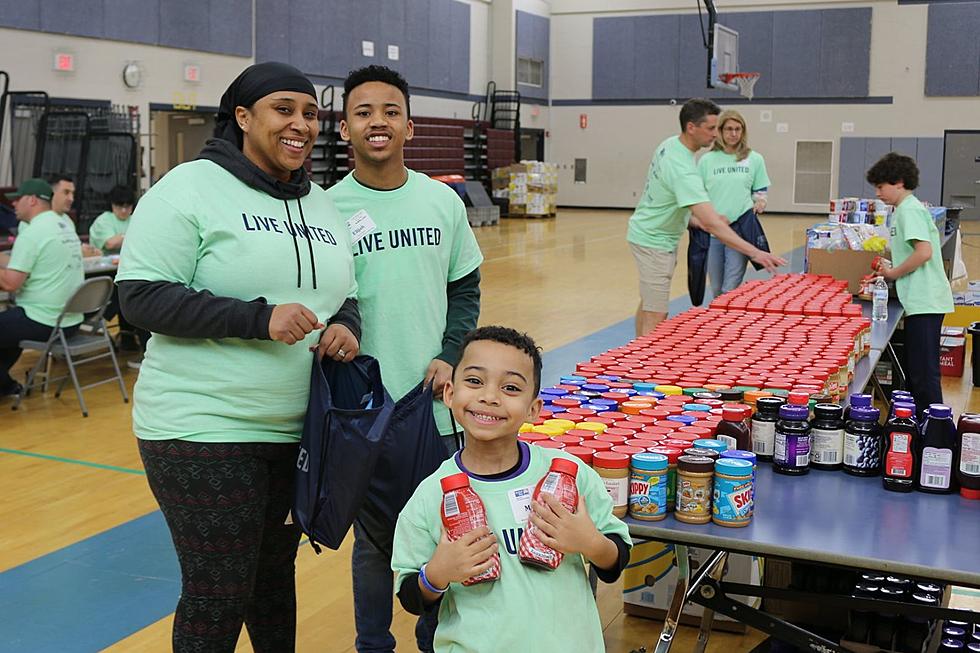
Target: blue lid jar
608, 377
596, 387
686, 420
712, 445
554, 392
738, 454
649, 462
733, 467
599, 408
793, 412
701, 407
865, 414
651, 393
572, 378
643, 387
940, 411
860, 401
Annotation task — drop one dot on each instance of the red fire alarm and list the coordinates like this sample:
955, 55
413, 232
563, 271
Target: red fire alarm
583, 120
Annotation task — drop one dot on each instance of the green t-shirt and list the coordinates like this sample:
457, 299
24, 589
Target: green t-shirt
201, 227
422, 241
105, 227
51, 255
925, 289
673, 186
483, 617
730, 183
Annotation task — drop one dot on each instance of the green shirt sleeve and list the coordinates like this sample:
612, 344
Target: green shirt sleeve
466, 255
25, 253
162, 244
915, 226
688, 185
100, 231
761, 178
414, 541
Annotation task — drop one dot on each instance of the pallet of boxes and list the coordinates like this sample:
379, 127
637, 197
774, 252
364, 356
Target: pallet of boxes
530, 187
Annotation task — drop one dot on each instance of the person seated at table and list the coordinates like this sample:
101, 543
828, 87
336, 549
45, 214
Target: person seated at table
493, 390
918, 272
109, 229
43, 270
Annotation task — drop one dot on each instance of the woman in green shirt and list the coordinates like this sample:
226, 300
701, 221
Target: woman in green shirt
234, 262
736, 180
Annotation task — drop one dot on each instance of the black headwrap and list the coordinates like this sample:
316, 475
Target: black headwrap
254, 83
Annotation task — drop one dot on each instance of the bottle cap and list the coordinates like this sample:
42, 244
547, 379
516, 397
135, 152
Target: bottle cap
455, 482
739, 455
583, 453
939, 411
861, 401
695, 463
733, 466
903, 412
769, 404
793, 412
712, 445
610, 460
799, 398
564, 466
828, 411
865, 414
973, 495
732, 414
652, 462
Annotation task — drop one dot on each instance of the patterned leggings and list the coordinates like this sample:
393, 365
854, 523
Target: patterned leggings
225, 505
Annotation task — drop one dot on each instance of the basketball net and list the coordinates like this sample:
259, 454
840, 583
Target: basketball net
744, 81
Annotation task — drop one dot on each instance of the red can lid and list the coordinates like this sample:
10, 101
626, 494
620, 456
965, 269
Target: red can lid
567, 403
672, 453
732, 414
698, 431
531, 436
610, 415
799, 398
583, 453
565, 466
656, 413
656, 429
549, 444
632, 427
544, 414
619, 432
644, 420
613, 439
628, 450
609, 460
454, 482
598, 445
569, 439
639, 442
967, 493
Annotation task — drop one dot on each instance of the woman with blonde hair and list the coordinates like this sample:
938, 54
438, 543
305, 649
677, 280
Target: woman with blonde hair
736, 180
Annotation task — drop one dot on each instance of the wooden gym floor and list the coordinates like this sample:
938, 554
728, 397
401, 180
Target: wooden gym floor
85, 559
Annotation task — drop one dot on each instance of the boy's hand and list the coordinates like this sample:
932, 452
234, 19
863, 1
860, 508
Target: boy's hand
454, 562
562, 530
439, 374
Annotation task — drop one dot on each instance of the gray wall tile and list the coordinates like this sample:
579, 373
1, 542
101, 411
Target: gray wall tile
132, 20
845, 52
230, 27
76, 17
183, 25
20, 14
953, 50
613, 58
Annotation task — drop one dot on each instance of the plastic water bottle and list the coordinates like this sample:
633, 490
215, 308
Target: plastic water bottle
879, 301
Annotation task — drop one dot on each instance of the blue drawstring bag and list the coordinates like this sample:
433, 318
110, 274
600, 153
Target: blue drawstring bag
343, 434
412, 450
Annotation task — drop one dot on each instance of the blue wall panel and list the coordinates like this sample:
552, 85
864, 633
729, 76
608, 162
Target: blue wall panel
306, 43
271, 33
612, 60
459, 47
655, 44
75, 17
532, 42
439, 46
953, 50
929, 158
755, 47
367, 27
692, 59
796, 38
392, 31
182, 25
845, 61
230, 27
415, 53
850, 169
20, 14
129, 20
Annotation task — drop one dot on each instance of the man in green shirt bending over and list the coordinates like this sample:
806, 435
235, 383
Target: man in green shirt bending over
673, 196
43, 270
417, 265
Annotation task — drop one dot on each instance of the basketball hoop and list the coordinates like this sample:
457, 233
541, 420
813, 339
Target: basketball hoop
744, 81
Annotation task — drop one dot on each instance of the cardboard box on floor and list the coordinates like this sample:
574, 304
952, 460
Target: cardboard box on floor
650, 579
844, 264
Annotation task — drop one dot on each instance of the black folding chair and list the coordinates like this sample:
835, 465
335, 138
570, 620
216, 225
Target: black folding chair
91, 341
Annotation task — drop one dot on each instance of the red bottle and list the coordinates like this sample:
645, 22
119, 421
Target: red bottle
560, 483
463, 511
900, 469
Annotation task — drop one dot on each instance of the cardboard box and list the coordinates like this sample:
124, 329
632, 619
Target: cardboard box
844, 264
962, 316
650, 579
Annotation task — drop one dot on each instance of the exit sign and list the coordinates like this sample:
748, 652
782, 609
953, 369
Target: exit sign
64, 62
192, 73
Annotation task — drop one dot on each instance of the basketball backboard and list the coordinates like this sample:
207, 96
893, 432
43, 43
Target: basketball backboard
723, 56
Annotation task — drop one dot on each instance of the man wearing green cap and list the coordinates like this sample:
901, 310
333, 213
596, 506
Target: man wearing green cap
43, 271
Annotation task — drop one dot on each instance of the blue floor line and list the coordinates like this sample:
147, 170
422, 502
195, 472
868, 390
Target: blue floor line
98, 591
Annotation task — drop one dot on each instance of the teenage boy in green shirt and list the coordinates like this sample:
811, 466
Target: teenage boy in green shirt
918, 272
43, 271
417, 265
109, 228
493, 391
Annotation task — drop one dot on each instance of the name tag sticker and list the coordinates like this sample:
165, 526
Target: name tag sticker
520, 503
360, 225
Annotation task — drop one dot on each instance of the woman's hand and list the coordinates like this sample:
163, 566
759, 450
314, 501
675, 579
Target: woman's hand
337, 342
291, 322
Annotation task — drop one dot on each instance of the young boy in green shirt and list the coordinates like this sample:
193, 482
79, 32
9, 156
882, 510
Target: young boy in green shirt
918, 272
494, 389
109, 229
417, 265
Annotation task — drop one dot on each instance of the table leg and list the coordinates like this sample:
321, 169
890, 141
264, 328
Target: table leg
896, 366
677, 602
708, 616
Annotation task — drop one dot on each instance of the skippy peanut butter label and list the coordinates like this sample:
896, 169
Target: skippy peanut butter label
732, 499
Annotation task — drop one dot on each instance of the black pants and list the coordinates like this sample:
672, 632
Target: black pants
226, 505
14, 327
922, 334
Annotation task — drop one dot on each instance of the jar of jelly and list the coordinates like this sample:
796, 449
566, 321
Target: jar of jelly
763, 433
862, 443
827, 437
791, 453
